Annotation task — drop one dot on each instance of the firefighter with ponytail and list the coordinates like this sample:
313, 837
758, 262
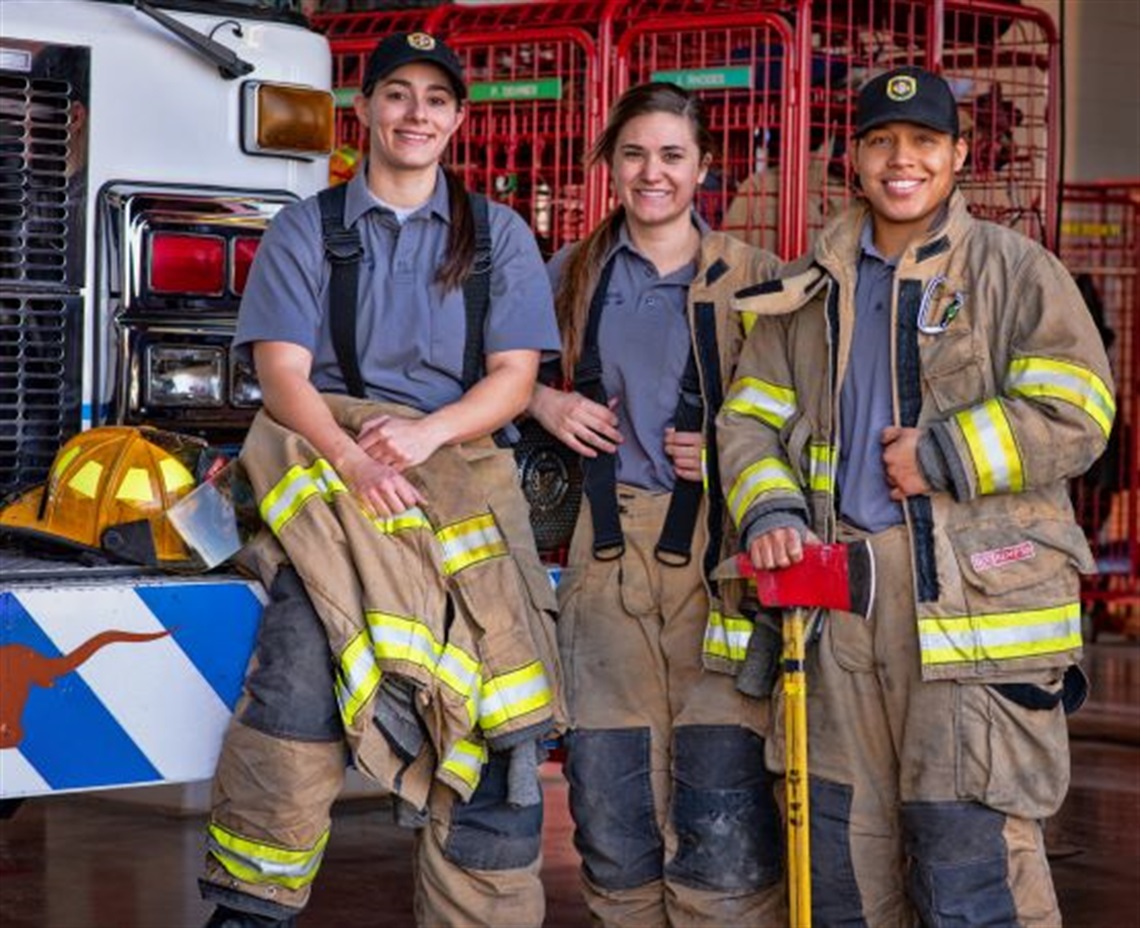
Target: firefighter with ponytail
396, 323
675, 816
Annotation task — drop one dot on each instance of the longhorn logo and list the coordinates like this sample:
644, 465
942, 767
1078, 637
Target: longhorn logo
22, 667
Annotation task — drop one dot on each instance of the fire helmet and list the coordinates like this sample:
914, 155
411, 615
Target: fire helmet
108, 491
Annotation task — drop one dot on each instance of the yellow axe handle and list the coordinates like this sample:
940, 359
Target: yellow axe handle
796, 770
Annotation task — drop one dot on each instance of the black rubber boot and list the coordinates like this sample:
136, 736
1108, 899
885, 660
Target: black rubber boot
225, 917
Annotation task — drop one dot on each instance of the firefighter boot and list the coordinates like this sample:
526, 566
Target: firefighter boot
225, 917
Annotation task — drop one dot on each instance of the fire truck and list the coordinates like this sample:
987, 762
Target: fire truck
145, 145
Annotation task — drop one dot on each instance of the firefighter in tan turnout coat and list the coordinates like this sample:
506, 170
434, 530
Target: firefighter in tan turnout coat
932, 382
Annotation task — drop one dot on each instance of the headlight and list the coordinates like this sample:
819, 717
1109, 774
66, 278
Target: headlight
244, 389
184, 376
287, 119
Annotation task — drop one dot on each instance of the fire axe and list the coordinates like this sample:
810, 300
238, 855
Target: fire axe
830, 576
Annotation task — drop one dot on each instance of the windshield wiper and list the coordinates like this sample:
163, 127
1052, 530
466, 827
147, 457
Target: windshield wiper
230, 66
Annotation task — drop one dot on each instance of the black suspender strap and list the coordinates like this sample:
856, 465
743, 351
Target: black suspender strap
674, 546
477, 293
344, 251
708, 360
599, 474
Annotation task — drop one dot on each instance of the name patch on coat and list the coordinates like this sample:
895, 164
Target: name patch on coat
999, 557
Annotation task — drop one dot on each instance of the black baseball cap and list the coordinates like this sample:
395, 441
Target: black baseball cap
401, 48
907, 94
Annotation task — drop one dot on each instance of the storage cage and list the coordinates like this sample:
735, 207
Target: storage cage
1100, 245
778, 80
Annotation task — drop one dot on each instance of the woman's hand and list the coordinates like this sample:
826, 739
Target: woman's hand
381, 489
398, 442
581, 424
685, 450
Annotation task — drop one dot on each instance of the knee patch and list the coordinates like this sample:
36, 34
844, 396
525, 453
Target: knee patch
959, 865
291, 692
486, 833
835, 894
724, 813
611, 799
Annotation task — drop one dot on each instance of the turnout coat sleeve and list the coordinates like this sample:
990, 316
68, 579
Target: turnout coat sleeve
765, 485
1046, 409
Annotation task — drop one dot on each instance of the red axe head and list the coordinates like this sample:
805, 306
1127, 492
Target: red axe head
832, 576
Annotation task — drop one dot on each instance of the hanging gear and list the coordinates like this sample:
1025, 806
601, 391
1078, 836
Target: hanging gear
108, 492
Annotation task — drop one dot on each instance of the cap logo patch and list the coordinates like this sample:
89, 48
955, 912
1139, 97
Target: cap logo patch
421, 41
902, 87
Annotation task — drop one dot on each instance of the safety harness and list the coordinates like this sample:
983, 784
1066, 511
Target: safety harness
674, 545
344, 249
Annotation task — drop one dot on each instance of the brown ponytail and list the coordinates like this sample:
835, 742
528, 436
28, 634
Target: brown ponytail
456, 267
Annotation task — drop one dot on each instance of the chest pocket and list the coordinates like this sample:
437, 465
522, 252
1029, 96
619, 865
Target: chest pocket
953, 369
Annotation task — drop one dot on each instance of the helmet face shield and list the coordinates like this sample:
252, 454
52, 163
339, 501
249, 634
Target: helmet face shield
216, 519
109, 491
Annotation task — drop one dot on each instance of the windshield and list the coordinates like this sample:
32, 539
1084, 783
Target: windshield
281, 10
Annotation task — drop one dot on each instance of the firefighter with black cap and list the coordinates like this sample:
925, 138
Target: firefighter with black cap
396, 323
930, 382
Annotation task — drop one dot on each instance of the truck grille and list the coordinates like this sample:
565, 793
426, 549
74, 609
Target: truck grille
40, 344
41, 210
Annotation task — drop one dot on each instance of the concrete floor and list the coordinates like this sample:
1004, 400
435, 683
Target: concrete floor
83, 862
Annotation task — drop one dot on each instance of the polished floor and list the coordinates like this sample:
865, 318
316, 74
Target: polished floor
82, 862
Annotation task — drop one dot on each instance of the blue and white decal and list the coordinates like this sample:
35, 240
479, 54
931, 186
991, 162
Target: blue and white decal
119, 685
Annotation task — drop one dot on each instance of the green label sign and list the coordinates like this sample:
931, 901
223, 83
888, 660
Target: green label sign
544, 88
707, 78
344, 97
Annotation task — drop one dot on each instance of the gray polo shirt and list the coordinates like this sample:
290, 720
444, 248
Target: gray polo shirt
643, 340
410, 334
866, 400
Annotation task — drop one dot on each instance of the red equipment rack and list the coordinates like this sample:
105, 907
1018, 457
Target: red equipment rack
1100, 244
783, 171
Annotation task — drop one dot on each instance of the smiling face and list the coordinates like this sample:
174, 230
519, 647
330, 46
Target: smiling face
657, 168
411, 116
906, 171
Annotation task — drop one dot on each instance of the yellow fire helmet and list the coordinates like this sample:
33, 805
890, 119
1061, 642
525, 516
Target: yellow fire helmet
108, 491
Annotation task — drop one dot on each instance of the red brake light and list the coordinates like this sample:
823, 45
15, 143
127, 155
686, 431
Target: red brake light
244, 250
187, 264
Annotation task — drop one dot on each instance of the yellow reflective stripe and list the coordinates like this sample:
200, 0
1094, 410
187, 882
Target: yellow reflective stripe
297, 487
86, 480
1063, 381
748, 320
822, 467
764, 476
398, 638
1000, 636
357, 677
704, 469
993, 448
469, 542
257, 862
459, 671
760, 399
175, 476
135, 486
466, 761
726, 636
406, 521
513, 695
